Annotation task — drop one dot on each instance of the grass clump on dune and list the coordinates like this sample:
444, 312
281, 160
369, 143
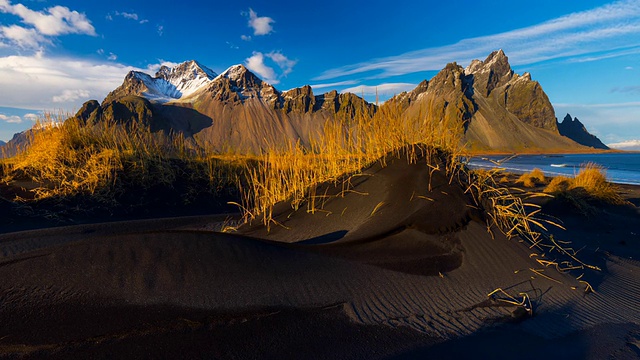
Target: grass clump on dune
590, 184
110, 163
346, 145
532, 179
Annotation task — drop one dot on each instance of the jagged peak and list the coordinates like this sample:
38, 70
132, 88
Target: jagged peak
497, 62
235, 72
305, 90
188, 70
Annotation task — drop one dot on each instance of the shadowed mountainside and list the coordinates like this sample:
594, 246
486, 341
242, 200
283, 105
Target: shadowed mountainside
575, 130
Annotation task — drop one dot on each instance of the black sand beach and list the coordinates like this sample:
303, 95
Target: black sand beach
394, 269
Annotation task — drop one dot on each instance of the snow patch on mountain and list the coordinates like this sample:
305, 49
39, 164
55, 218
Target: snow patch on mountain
176, 83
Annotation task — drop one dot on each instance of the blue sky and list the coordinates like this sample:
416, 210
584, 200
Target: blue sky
56, 54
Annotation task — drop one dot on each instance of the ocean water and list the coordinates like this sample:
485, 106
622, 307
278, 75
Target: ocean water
621, 168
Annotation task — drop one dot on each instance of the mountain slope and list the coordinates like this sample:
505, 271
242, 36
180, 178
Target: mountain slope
500, 110
575, 130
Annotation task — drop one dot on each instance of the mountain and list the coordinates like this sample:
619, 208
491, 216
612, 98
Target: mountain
2, 143
168, 83
575, 130
496, 108
500, 109
18, 142
234, 110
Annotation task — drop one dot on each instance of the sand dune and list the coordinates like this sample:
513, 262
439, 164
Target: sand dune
408, 279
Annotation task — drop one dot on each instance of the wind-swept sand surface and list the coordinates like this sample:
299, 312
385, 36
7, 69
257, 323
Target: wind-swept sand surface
396, 268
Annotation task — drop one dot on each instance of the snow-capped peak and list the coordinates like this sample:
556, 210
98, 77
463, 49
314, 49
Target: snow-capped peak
234, 72
177, 82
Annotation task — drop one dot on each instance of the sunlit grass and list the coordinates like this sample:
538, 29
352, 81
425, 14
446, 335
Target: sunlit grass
532, 179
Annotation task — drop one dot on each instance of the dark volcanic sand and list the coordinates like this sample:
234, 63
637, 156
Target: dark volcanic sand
409, 280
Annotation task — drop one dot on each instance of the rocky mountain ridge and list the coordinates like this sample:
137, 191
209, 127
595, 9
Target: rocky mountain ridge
500, 109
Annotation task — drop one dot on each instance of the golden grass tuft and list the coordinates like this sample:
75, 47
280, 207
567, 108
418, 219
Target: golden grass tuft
532, 179
590, 183
67, 158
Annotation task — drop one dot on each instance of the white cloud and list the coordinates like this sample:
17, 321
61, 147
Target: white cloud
261, 25
256, 64
160, 30
285, 64
71, 95
56, 20
35, 81
41, 83
607, 31
381, 89
629, 68
12, 119
245, 37
31, 117
126, 15
22, 37
144, 21
626, 145
112, 57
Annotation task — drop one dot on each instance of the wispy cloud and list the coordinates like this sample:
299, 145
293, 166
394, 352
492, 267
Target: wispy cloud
601, 106
626, 89
386, 89
333, 84
261, 25
609, 30
245, 37
41, 25
127, 15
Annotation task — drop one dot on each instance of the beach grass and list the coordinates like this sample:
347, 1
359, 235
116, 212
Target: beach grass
589, 184
532, 179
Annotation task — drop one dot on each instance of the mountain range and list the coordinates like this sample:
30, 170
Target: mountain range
236, 110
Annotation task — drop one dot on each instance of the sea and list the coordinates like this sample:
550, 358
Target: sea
621, 168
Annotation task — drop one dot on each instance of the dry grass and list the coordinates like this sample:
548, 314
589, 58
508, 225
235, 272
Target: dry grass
532, 179
590, 183
346, 146
102, 162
